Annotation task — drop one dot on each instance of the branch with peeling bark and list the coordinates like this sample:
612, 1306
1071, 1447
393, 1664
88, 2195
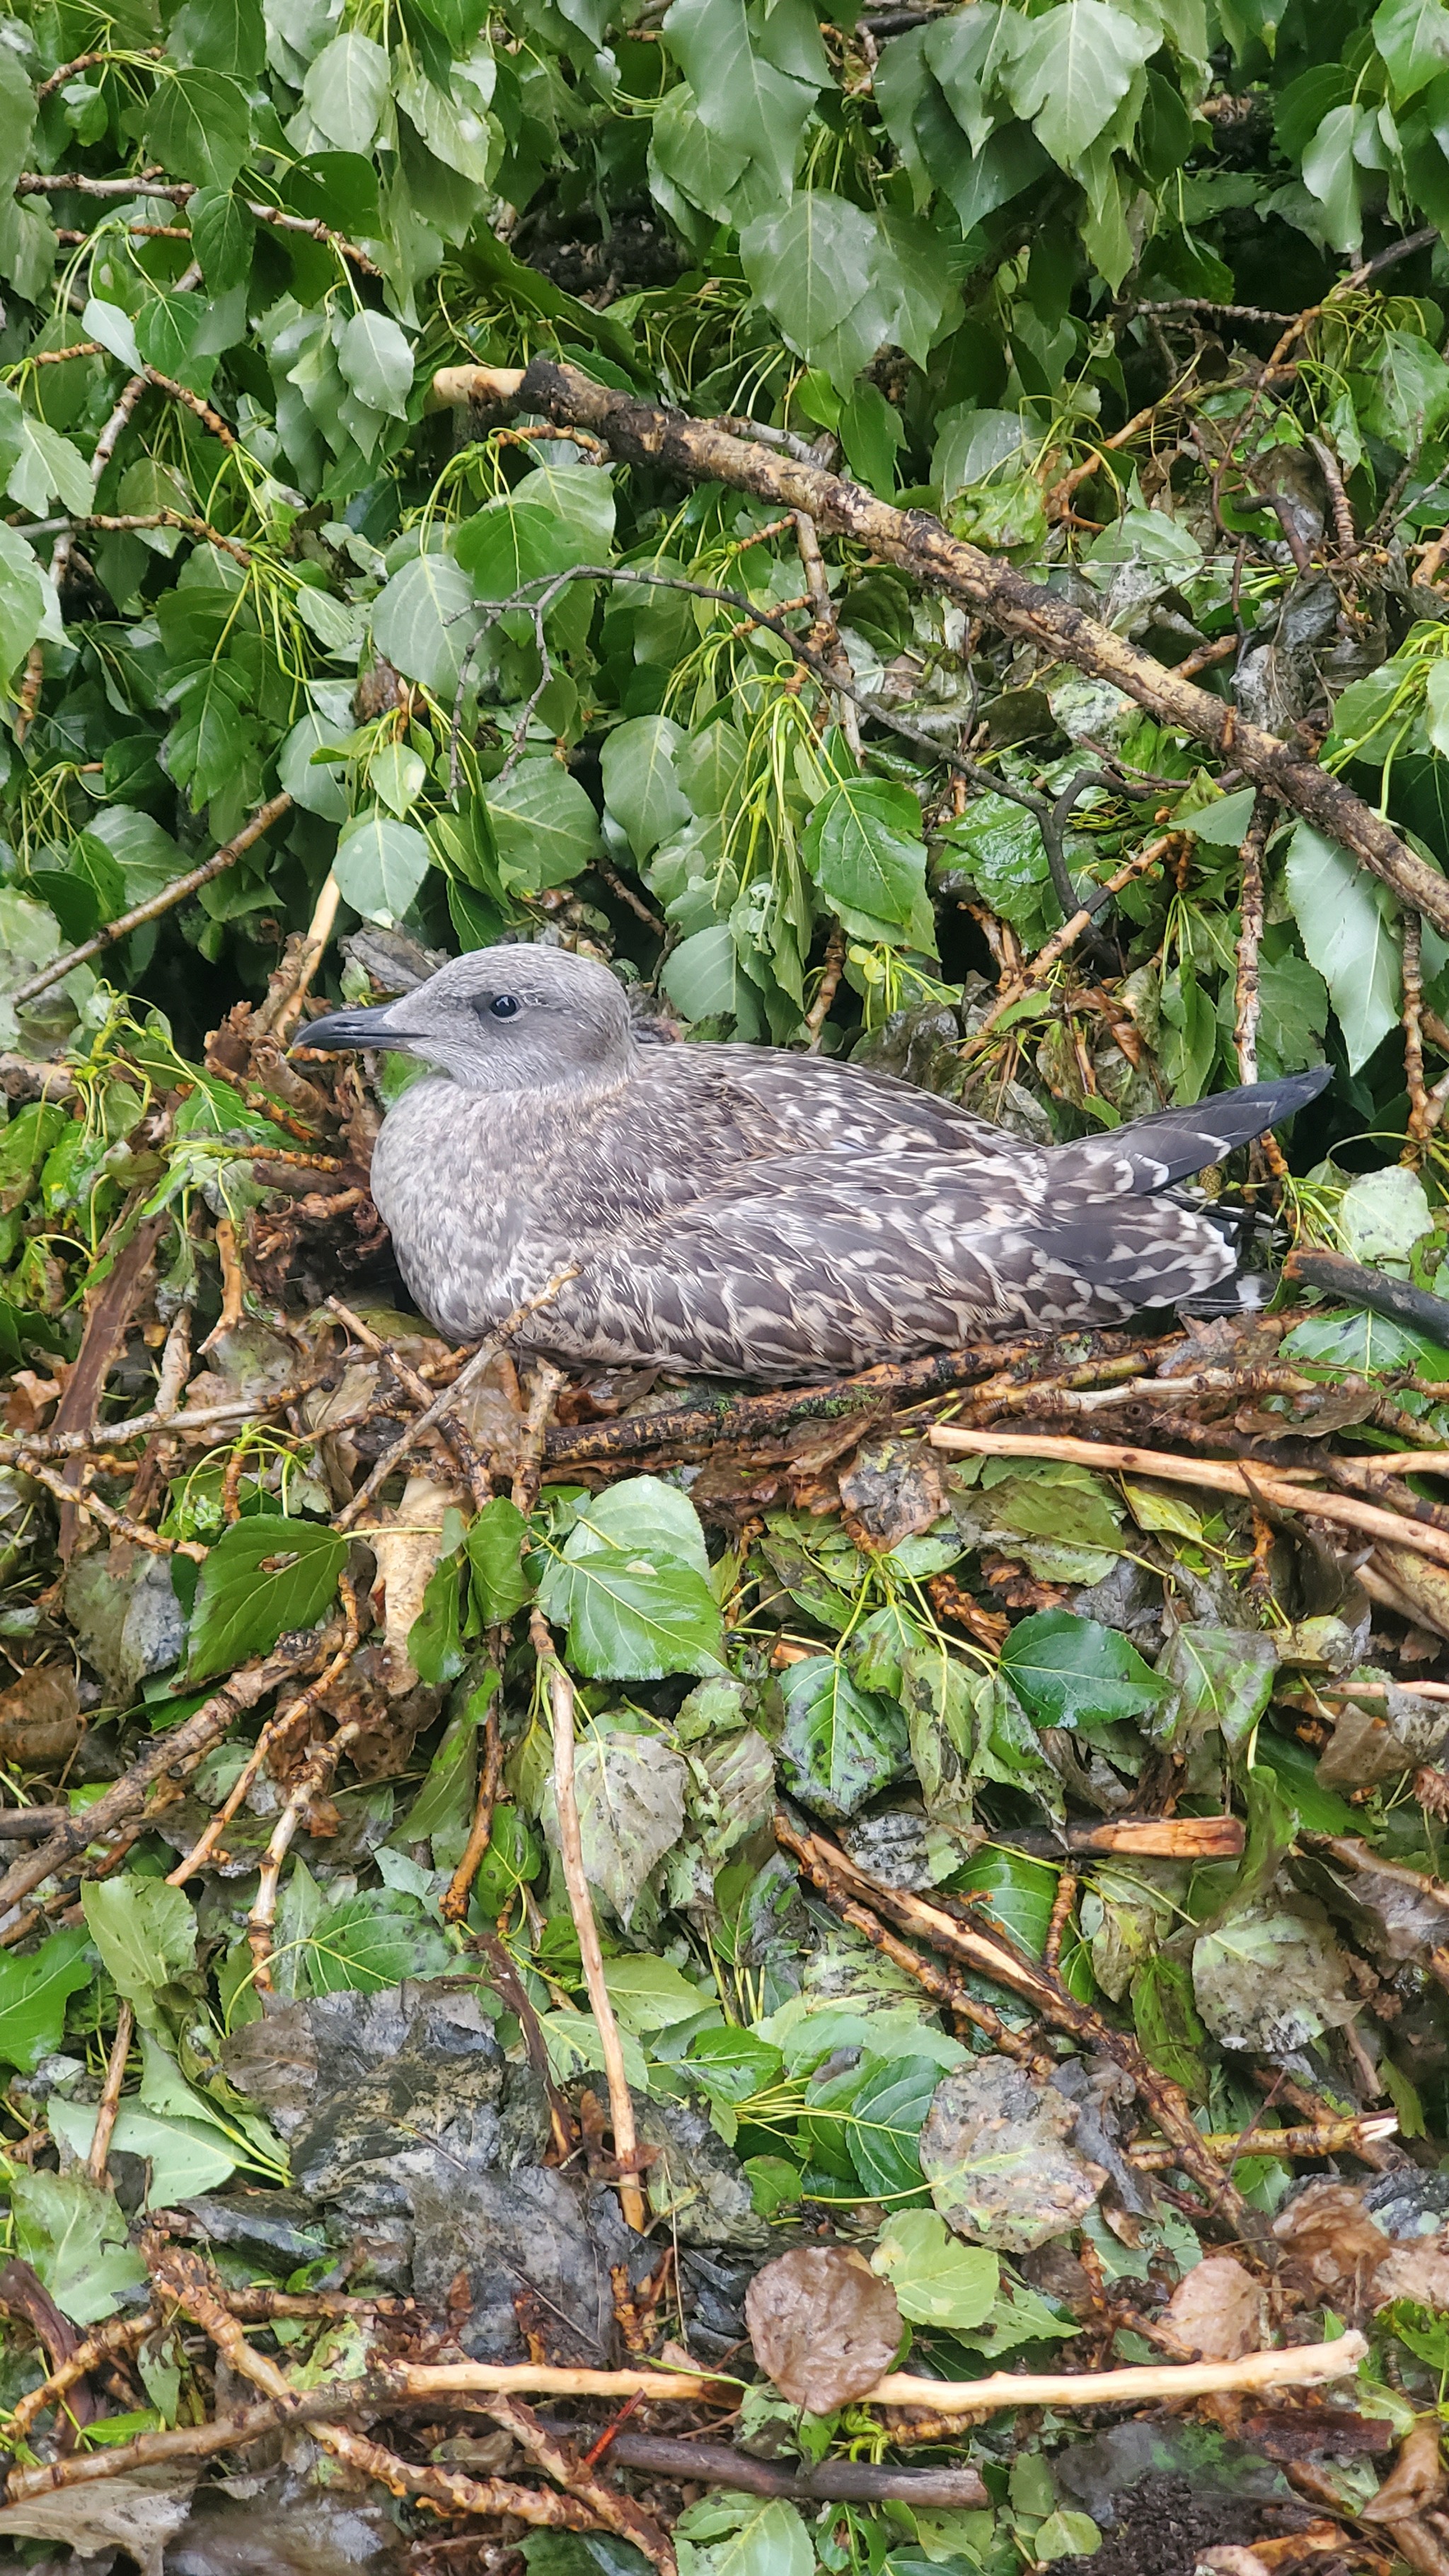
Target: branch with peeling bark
703, 451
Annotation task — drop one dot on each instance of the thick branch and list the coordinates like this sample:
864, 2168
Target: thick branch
700, 451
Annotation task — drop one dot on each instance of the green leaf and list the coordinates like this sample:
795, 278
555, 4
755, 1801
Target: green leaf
425, 622
937, 2280
494, 1545
633, 1617
145, 1932
1074, 69
840, 1744
817, 268
184, 2156
346, 92
264, 1576
641, 788
1167, 2022
544, 825
630, 1795
381, 864
45, 463
746, 2537
1349, 929
224, 35
863, 847
435, 1645
223, 233
515, 545
881, 2105
366, 1943
1065, 1670
1413, 38
744, 100
34, 1992
377, 362
199, 126
73, 2235
320, 788
25, 599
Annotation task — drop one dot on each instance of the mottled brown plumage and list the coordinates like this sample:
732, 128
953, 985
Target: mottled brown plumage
745, 1210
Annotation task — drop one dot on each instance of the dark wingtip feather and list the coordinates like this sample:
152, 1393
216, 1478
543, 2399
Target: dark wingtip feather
1172, 1144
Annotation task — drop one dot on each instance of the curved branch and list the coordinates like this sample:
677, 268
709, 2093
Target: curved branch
700, 451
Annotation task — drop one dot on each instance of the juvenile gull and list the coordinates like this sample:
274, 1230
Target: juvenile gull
746, 1211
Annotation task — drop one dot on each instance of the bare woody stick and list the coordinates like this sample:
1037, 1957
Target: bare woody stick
1252, 1482
110, 2101
1302, 2366
571, 1853
414, 1431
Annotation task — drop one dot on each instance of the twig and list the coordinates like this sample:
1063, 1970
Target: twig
78, 1498
1005, 1966
1420, 1121
104, 2342
571, 1855
481, 1360
1358, 1286
616, 2512
1248, 1000
1061, 1915
666, 441
459, 1440
1325, 2138
173, 1754
110, 2101
185, 2278
275, 1729
233, 1285
1061, 940
310, 1782
283, 1003
830, 974
156, 904
1251, 1483
862, 2481
454, 1906
547, 1385
748, 1418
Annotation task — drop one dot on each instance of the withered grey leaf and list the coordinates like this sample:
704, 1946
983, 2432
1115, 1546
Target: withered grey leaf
822, 2325
995, 2150
1271, 1977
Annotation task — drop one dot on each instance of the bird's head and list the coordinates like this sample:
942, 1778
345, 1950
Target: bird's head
502, 1019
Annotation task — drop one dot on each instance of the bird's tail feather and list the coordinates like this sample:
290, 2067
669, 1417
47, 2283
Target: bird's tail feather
1172, 1144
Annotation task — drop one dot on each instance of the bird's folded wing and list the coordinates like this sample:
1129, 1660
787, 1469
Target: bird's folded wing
844, 1263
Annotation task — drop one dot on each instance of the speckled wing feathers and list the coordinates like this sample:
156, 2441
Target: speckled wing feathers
750, 1212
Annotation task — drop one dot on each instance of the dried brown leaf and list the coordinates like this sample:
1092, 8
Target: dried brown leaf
1218, 2310
40, 1722
823, 2325
1330, 2238
1415, 2480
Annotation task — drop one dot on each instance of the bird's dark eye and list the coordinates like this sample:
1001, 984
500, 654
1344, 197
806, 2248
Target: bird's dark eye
505, 1006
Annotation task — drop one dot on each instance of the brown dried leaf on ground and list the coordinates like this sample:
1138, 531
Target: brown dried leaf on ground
822, 2325
407, 1548
1330, 2239
995, 2151
1218, 2310
1417, 2271
1415, 2480
40, 1721
892, 1492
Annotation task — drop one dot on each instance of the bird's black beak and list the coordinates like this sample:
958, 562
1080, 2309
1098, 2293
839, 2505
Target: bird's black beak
353, 1028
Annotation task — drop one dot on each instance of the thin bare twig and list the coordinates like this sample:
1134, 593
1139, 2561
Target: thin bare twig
581, 1906
110, 2101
